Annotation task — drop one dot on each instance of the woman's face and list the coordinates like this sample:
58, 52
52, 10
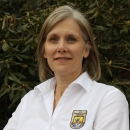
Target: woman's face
65, 48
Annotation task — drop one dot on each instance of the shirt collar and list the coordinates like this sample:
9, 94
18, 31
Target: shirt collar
47, 85
83, 80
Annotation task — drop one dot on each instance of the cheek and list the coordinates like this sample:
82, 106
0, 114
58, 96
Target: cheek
78, 51
48, 52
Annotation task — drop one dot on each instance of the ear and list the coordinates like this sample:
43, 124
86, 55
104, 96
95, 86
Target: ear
86, 53
86, 50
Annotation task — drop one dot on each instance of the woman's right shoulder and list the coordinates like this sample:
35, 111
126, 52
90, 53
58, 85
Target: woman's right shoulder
40, 89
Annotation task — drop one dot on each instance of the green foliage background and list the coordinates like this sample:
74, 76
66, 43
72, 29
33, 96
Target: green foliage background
20, 23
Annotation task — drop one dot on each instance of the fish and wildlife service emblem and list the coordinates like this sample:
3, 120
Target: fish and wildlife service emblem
78, 119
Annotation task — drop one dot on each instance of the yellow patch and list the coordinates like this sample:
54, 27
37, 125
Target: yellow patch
78, 119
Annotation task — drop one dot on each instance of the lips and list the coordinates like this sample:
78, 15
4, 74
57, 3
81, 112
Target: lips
62, 58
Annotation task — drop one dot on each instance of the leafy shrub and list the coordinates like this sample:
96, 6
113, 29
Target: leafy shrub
20, 26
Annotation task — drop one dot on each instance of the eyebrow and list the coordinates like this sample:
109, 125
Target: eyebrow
68, 34
52, 34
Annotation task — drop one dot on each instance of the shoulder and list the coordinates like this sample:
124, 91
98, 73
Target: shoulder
40, 89
104, 88
96, 88
110, 96
112, 109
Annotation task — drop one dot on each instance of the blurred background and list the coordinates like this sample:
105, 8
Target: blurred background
20, 24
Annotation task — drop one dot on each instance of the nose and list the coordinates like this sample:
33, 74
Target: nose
62, 48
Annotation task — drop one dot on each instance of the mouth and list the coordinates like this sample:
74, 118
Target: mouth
62, 58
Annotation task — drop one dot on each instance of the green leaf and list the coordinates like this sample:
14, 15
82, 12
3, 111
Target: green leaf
18, 57
6, 80
91, 11
3, 91
31, 71
29, 41
24, 65
23, 27
96, 13
16, 98
27, 37
24, 56
36, 39
100, 28
105, 47
11, 30
14, 78
7, 34
14, 40
92, 5
109, 71
5, 46
11, 95
20, 75
25, 49
104, 16
124, 30
23, 92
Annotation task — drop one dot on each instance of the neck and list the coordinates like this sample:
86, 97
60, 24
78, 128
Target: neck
63, 81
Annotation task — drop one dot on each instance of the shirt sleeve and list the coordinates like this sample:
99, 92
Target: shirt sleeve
112, 113
13, 121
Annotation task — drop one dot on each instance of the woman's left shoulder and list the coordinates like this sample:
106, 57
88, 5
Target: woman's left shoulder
112, 110
107, 90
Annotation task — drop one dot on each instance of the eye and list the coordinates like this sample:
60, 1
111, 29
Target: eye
53, 39
71, 39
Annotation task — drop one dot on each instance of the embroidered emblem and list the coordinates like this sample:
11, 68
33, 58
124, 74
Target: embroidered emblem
78, 119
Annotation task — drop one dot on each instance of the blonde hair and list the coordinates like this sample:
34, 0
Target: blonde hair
90, 64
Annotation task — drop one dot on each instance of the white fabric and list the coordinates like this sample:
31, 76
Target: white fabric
107, 108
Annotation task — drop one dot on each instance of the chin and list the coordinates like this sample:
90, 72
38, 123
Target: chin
62, 72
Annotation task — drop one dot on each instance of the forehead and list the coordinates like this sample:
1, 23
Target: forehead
67, 25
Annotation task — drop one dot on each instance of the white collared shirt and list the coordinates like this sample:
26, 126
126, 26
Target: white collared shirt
85, 105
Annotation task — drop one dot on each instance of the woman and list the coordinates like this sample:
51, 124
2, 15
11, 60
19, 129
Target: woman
70, 98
